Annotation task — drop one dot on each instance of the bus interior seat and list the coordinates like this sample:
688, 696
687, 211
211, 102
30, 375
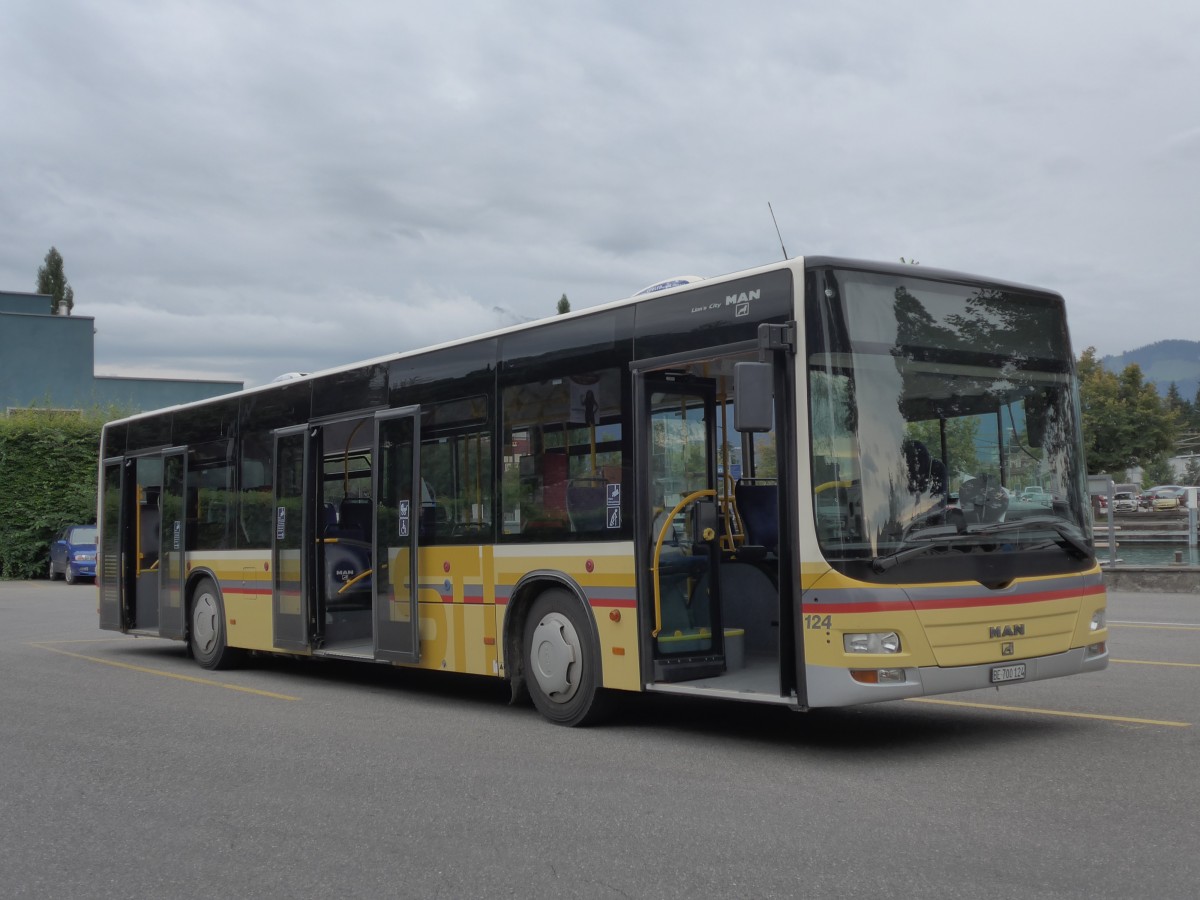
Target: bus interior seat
586, 503
919, 462
354, 518
758, 506
329, 518
434, 522
926, 473
937, 476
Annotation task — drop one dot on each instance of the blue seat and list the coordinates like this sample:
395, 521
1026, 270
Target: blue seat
758, 506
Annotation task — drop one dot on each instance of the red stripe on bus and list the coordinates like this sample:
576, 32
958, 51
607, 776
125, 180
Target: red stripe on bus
621, 604
951, 603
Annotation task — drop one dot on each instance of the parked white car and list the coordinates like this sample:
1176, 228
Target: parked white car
1124, 501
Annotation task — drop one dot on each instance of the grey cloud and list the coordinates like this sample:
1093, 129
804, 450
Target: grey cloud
288, 187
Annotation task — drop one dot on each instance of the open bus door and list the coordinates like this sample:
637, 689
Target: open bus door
678, 497
114, 544
172, 543
292, 522
142, 543
399, 513
717, 522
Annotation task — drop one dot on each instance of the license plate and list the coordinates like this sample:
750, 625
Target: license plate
1001, 674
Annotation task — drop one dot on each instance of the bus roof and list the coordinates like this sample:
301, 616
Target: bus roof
797, 263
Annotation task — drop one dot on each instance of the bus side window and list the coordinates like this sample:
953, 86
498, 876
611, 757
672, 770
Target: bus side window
563, 457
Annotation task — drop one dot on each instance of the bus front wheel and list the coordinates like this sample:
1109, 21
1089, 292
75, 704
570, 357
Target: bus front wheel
561, 661
207, 628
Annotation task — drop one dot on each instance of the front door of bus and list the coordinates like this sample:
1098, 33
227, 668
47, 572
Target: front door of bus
289, 566
398, 519
678, 491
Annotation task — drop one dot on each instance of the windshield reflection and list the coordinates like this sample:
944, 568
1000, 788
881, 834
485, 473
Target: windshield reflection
939, 408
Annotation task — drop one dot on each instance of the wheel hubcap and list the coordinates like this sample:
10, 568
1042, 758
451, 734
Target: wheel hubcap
555, 657
204, 623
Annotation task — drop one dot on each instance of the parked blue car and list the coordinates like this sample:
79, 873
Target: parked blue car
73, 554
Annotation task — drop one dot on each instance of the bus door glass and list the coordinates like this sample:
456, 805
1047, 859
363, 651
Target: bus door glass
147, 524
289, 579
172, 543
402, 507
113, 548
680, 500
344, 509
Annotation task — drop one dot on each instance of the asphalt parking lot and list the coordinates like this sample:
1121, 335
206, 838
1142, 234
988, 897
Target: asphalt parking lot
131, 772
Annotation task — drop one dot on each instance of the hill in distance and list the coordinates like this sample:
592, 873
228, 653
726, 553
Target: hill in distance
1164, 362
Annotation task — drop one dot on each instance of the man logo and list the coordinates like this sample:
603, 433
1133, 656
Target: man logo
743, 297
1008, 648
1003, 631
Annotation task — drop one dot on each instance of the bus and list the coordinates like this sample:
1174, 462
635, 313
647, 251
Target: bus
797, 485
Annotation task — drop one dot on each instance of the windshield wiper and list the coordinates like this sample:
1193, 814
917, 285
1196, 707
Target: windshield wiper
1070, 538
929, 539
919, 543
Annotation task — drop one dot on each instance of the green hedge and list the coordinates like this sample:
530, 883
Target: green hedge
48, 465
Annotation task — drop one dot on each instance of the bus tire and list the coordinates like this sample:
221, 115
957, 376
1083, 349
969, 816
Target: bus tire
206, 631
562, 661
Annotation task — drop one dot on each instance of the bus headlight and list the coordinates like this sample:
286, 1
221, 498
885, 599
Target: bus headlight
1098, 620
874, 642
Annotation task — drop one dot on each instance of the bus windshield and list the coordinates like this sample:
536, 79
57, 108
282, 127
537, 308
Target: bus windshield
944, 422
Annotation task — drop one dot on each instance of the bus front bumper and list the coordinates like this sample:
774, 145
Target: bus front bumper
838, 687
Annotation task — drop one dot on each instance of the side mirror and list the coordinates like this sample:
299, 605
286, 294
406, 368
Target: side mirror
753, 393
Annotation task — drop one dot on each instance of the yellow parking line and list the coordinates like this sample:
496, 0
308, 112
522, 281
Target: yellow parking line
1051, 712
1150, 662
190, 678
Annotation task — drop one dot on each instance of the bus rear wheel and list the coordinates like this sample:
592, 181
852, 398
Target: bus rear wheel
206, 632
561, 661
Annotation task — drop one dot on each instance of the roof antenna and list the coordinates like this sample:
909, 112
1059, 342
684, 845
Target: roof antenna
780, 236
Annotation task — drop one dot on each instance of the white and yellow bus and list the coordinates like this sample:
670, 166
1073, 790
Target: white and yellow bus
792, 485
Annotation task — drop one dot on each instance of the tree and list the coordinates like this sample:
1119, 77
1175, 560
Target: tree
52, 280
962, 449
1191, 474
47, 480
564, 305
1125, 422
1158, 471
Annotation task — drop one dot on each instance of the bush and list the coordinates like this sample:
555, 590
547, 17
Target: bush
48, 465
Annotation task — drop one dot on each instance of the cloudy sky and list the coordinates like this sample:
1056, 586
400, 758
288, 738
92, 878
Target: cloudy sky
246, 188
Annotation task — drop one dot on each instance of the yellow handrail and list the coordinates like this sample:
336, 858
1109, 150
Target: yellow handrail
831, 484
662, 533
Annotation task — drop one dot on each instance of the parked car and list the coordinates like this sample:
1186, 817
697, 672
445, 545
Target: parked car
73, 554
1149, 495
1170, 498
1124, 501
